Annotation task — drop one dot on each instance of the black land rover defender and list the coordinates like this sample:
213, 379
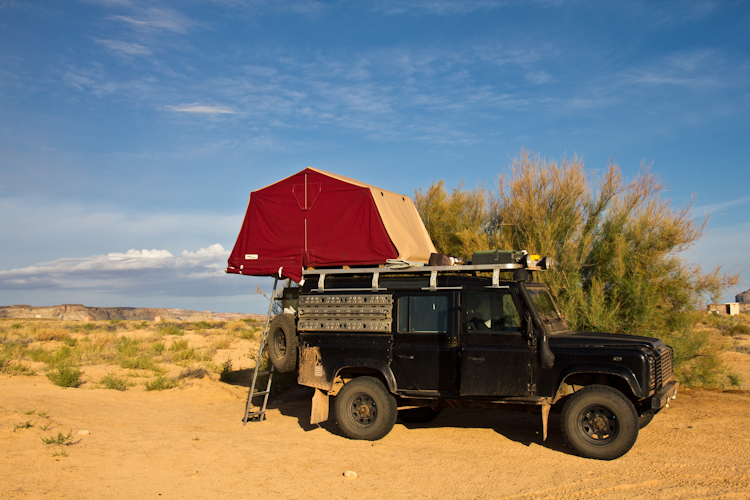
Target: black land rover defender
406, 343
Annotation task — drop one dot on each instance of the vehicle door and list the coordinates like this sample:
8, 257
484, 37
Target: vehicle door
497, 357
425, 347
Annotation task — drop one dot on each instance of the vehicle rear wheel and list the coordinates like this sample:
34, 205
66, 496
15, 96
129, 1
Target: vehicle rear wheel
365, 409
282, 343
418, 415
599, 422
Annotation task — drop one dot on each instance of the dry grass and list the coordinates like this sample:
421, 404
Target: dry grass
121, 354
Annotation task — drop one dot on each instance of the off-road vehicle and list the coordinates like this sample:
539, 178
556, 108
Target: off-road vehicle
406, 343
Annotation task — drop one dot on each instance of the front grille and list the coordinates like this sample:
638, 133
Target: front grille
663, 366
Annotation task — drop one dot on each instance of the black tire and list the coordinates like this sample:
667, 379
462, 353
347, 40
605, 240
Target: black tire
418, 415
644, 420
282, 343
365, 409
599, 422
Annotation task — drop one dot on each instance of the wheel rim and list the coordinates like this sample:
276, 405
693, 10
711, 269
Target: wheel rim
598, 424
362, 410
279, 344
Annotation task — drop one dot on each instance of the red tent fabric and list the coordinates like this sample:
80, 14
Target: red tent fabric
318, 219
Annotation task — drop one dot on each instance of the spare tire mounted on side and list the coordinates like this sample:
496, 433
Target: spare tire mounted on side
282, 343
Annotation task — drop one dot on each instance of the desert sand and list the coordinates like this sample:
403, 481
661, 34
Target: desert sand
189, 442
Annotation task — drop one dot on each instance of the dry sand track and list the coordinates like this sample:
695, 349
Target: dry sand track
190, 443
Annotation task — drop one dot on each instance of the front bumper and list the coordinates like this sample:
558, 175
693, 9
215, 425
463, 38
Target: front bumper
662, 398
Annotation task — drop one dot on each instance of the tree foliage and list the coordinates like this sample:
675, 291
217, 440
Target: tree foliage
616, 242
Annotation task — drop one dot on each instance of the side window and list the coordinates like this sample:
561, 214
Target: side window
492, 312
423, 314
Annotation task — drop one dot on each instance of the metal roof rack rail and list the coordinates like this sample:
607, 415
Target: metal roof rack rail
527, 263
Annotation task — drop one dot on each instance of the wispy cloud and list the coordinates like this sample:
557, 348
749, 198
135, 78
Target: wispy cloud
201, 109
156, 19
125, 48
703, 210
437, 7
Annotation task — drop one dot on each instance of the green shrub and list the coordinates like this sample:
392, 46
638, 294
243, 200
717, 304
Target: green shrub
111, 381
179, 345
128, 346
143, 362
192, 372
226, 374
65, 376
738, 329
169, 329
9, 367
59, 440
161, 383
617, 245
158, 347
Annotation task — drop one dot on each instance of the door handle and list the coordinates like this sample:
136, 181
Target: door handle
476, 360
405, 356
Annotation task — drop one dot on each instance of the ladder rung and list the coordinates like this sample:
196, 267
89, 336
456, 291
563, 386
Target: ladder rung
261, 393
255, 414
263, 373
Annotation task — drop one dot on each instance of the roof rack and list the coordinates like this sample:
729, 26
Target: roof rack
433, 271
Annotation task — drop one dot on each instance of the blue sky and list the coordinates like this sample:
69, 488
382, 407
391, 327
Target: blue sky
131, 133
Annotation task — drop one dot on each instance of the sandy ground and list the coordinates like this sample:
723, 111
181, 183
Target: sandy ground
189, 442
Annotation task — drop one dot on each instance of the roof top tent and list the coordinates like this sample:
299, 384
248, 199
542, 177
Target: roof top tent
316, 219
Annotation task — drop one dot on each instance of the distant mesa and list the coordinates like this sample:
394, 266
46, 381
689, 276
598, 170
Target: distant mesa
743, 298
79, 312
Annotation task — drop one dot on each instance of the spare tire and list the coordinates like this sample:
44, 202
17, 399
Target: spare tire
282, 343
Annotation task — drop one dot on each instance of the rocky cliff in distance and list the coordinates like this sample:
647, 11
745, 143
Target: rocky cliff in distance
743, 298
79, 312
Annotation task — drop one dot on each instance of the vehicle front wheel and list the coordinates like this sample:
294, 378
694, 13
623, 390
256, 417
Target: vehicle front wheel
599, 422
282, 343
365, 409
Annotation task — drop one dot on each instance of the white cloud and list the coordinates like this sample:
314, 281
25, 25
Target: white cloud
201, 109
131, 270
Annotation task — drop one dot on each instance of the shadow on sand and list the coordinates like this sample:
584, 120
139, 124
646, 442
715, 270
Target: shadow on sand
518, 426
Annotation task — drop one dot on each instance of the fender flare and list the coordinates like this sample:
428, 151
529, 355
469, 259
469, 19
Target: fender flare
622, 372
380, 366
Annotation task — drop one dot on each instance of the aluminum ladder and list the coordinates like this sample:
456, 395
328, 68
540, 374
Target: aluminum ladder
260, 415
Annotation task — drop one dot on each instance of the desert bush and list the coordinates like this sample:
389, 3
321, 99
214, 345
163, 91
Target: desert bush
250, 334
161, 383
11, 367
59, 440
226, 374
192, 372
169, 329
222, 343
112, 381
127, 346
65, 376
616, 244
158, 347
143, 362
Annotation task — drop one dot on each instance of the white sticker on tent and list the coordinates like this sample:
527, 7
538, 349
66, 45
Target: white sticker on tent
251, 256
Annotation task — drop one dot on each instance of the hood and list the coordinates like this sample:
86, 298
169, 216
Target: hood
592, 339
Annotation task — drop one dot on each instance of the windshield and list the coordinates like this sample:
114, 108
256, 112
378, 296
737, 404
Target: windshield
547, 310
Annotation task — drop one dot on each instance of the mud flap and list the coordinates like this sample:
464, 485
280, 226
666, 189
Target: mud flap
545, 420
319, 411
